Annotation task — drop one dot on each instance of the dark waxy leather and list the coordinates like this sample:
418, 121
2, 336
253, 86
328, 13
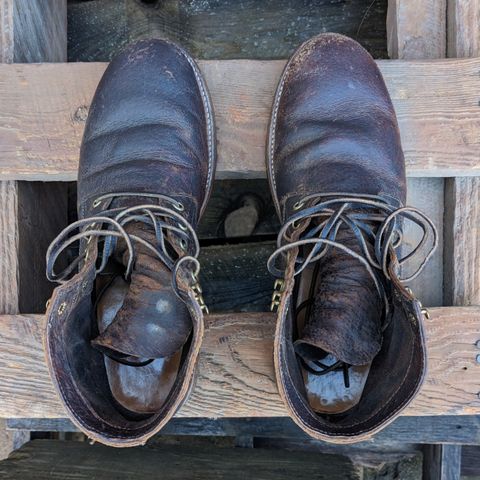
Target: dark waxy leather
150, 130
152, 322
334, 130
346, 318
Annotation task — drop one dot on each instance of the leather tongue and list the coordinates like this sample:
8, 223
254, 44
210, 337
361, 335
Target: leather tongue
346, 318
152, 322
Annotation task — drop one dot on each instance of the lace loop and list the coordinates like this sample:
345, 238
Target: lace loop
371, 219
359, 213
168, 225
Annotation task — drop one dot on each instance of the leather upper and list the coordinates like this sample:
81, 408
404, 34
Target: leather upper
149, 129
333, 126
333, 130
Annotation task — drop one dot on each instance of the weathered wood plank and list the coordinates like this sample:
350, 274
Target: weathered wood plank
41, 29
442, 462
416, 30
30, 215
462, 195
463, 28
44, 108
30, 31
230, 29
236, 376
9, 241
427, 195
453, 429
50, 459
462, 241
471, 462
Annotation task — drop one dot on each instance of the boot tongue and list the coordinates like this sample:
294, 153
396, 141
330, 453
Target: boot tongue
150, 320
346, 317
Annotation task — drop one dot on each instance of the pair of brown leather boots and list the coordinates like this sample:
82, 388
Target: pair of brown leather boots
125, 326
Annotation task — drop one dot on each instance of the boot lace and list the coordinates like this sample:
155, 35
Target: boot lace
164, 219
374, 222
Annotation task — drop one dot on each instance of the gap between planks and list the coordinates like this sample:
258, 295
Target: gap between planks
236, 377
44, 108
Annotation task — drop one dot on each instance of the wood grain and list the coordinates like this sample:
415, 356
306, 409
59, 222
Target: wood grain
6, 31
50, 459
463, 28
9, 241
39, 31
98, 29
442, 462
44, 109
30, 214
454, 429
462, 195
416, 30
30, 31
236, 376
462, 241
427, 195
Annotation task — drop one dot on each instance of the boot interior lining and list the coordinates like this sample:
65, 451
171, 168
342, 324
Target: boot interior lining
327, 394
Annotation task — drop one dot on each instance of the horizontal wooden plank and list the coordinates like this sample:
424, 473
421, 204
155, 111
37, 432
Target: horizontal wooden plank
236, 377
44, 106
457, 429
53, 459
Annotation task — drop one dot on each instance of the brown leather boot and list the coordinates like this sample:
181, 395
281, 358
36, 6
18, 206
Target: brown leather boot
349, 344
124, 329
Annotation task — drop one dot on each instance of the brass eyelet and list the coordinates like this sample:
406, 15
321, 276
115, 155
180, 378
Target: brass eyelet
295, 225
298, 205
61, 308
425, 313
179, 206
183, 244
279, 284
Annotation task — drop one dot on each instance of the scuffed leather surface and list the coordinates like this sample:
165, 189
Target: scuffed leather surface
334, 130
346, 317
334, 127
150, 130
153, 322
147, 129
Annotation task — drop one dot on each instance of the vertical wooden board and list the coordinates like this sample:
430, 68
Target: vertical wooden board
32, 31
416, 29
42, 213
9, 234
462, 241
426, 194
6, 31
463, 33
442, 462
462, 195
40, 31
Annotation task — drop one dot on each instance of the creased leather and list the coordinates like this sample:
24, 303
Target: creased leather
150, 130
333, 129
152, 321
346, 317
